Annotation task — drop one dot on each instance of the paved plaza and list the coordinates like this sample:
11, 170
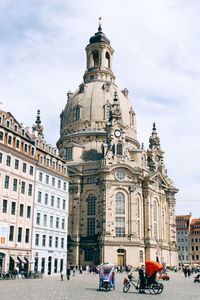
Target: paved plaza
85, 286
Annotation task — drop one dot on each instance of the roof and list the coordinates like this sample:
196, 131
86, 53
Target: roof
184, 217
195, 221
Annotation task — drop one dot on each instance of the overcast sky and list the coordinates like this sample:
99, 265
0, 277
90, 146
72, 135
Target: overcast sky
157, 58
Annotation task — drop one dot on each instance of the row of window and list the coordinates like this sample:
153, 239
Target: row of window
182, 232
18, 183
195, 248
13, 208
19, 236
195, 240
41, 240
51, 201
25, 168
53, 181
195, 257
182, 257
182, 240
12, 140
52, 164
182, 248
50, 223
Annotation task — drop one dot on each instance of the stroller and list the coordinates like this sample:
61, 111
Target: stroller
106, 276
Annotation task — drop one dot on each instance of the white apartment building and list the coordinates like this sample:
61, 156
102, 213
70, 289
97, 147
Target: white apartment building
49, 242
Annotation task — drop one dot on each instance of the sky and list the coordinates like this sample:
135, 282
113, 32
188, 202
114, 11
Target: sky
157, 58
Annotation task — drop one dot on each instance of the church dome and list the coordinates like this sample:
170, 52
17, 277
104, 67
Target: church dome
99, 37
91, 104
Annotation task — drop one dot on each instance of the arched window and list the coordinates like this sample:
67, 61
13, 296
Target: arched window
120, 203
77, 114
107, 60
95, 56
119, 149
91, 209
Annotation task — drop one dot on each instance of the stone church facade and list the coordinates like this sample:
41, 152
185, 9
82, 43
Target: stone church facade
122, 204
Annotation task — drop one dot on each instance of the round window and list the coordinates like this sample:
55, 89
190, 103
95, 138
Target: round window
120, 174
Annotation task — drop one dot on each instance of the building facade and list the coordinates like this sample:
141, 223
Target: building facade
17, 177
183, 238
49, 243
122, 204
195, 242
33, 200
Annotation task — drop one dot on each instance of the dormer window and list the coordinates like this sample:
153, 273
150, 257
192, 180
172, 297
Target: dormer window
77, 113
23, 131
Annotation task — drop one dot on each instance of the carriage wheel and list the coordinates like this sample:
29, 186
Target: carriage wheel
126, 287
156, 288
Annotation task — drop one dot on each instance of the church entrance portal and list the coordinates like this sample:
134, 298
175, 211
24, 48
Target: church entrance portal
121, 257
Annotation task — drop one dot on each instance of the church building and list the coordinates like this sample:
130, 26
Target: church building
121, 201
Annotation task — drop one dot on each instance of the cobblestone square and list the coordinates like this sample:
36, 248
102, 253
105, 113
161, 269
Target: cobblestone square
85, 286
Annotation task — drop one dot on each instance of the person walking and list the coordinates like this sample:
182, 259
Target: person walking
74, 271
68, 273
61, 275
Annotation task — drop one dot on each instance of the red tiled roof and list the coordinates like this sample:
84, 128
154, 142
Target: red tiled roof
194, 221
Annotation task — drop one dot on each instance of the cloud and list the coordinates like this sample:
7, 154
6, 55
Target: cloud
157, 54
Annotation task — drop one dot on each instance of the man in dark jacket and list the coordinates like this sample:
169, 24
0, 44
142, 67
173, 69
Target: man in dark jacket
142, 279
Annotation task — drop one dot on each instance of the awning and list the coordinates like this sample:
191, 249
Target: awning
21, 259
14, 258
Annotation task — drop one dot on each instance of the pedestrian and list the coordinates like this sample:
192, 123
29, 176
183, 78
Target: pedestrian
74, 271
80, 270
61, 275
142, 279
68, 273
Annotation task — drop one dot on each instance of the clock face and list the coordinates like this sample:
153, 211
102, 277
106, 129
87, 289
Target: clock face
117, 133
